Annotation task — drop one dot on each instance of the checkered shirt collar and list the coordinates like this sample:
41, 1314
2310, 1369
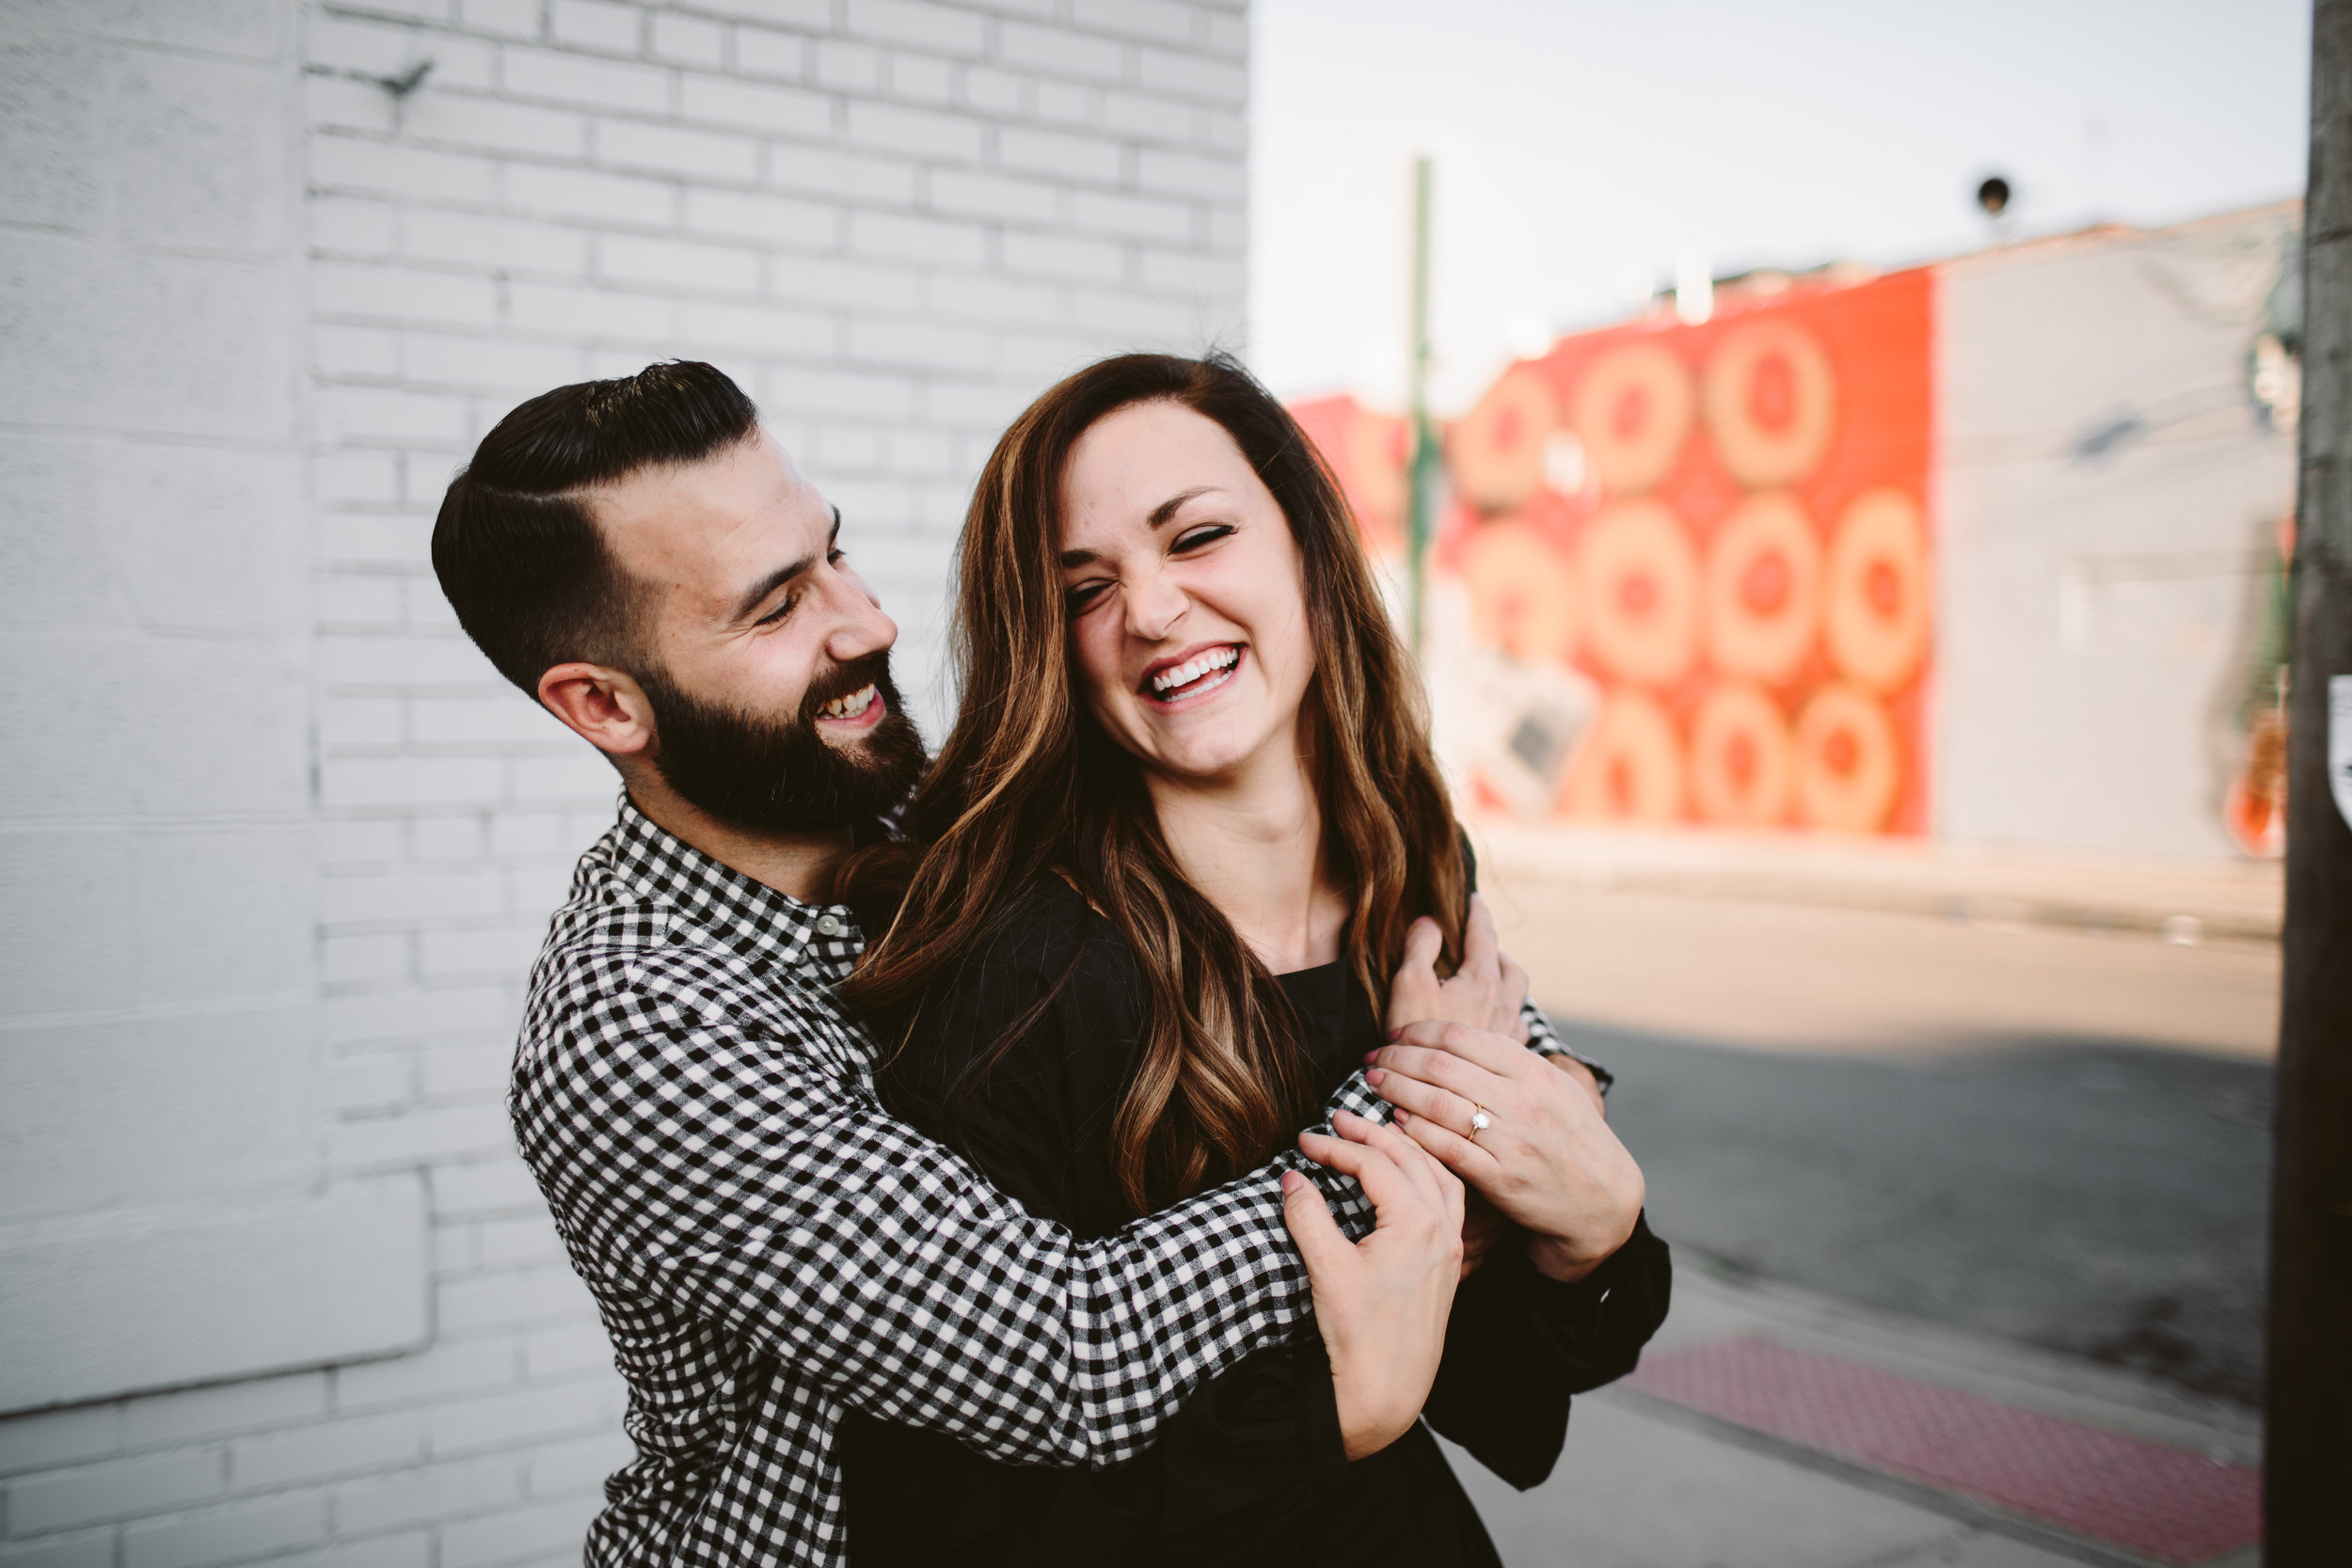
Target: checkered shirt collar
746, 917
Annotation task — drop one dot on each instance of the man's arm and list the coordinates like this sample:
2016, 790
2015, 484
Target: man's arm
714, 1168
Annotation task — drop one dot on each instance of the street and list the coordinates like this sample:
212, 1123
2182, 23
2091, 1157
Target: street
2022, 1160
2099, 1199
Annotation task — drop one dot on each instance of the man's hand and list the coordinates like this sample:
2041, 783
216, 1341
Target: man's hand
1381, 1303
1546, 1158
1484, 992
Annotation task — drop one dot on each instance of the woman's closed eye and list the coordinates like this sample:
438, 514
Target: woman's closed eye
1084, 595
1194, 539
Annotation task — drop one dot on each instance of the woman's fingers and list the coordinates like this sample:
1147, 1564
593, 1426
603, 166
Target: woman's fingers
1445, 1071
1466, 1157
1423, 1101
1411, 1161
1384, 1181
1497, 1053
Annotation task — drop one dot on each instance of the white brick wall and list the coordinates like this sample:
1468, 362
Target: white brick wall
894, 220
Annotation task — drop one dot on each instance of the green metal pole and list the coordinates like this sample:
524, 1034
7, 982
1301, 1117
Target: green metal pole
1428, 467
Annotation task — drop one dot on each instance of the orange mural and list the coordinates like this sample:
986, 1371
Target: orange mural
1719, 534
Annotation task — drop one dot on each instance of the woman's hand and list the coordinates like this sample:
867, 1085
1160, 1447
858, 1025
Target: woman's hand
1484, 992
1546, 1158
1381, 1303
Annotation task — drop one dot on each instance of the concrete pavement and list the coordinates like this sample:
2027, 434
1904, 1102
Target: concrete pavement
1645, 1482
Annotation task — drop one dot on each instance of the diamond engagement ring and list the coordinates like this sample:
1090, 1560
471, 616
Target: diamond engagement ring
1481, 1118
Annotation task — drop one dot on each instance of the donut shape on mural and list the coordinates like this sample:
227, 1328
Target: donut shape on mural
1632, 412
1628, 765
1847, 766
1875, 610
1522, 592
1763, 590
1771, 402
1741, 766
1495, 453
1639, 583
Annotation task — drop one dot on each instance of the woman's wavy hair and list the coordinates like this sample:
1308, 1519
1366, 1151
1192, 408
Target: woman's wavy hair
1027, 785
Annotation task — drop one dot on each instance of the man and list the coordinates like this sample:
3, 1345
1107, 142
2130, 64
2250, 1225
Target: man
764, 1244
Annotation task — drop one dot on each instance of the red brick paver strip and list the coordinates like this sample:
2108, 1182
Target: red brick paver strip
2168, 1503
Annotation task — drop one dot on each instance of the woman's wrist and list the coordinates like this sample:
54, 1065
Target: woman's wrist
1562, 1258
1371, 1417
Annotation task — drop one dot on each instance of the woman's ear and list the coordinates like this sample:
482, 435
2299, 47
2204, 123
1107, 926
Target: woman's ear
605, 708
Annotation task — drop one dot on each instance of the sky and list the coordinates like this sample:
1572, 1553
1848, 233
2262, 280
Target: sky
1583, 151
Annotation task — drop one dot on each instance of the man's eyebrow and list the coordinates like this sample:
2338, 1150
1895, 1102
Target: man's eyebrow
1160, 514
785, 574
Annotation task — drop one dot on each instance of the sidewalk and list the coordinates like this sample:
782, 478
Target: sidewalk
1835, 945
1887, 1449
2182, 901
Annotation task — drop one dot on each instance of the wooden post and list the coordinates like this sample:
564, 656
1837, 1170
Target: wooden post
2307, 1461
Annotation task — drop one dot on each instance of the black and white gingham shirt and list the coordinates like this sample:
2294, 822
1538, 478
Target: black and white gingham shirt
766, 1244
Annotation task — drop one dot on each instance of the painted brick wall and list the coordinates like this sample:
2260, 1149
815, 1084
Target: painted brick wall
894, 220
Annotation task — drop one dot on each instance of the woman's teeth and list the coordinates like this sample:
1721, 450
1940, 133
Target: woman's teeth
1193, 669
850, 707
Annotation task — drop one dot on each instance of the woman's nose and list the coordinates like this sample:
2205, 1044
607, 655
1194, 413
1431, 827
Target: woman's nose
1155, 604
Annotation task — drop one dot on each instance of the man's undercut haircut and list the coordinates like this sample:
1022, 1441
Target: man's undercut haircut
518, 555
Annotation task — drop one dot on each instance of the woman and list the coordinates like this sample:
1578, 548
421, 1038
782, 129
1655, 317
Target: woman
1170, 854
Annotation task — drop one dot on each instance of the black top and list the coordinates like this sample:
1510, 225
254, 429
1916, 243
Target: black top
1252, 1469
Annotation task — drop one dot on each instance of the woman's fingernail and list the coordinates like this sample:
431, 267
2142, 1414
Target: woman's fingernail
1372, 1055
1292, 1182
1399, 1114
1373, 1077
1397, 1033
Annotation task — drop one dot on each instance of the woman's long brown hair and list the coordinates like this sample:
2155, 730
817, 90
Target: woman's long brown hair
1027, 783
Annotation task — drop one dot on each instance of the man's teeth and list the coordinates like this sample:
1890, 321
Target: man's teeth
850, 707
1194, 668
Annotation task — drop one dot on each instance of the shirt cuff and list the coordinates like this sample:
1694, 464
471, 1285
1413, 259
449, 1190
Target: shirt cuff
1545, 1041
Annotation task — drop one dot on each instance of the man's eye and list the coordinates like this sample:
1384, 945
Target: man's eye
1201, 536
780, 611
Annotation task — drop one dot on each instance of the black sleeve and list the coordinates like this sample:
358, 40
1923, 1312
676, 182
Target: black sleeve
1518, 1345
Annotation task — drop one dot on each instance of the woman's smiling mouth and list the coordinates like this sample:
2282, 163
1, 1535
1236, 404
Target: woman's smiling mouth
1194, 673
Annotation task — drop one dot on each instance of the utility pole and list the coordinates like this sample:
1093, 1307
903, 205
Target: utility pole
2307, 1461
1424, 478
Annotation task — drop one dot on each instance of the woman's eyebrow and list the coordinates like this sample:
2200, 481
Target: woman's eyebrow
1167, 509
1160, 515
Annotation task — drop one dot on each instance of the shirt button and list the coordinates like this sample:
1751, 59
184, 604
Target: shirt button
830, 926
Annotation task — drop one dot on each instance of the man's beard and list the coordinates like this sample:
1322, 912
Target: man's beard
764, 774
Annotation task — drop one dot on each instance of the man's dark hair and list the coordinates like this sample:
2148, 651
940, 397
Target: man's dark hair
521, 561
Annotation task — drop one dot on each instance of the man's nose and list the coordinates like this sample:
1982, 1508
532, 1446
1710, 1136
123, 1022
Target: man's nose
859, 627
1154, 604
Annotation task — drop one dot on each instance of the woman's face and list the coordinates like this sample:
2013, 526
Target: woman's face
1186, 594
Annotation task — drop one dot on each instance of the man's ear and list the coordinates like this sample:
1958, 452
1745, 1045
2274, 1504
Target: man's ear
605, 708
